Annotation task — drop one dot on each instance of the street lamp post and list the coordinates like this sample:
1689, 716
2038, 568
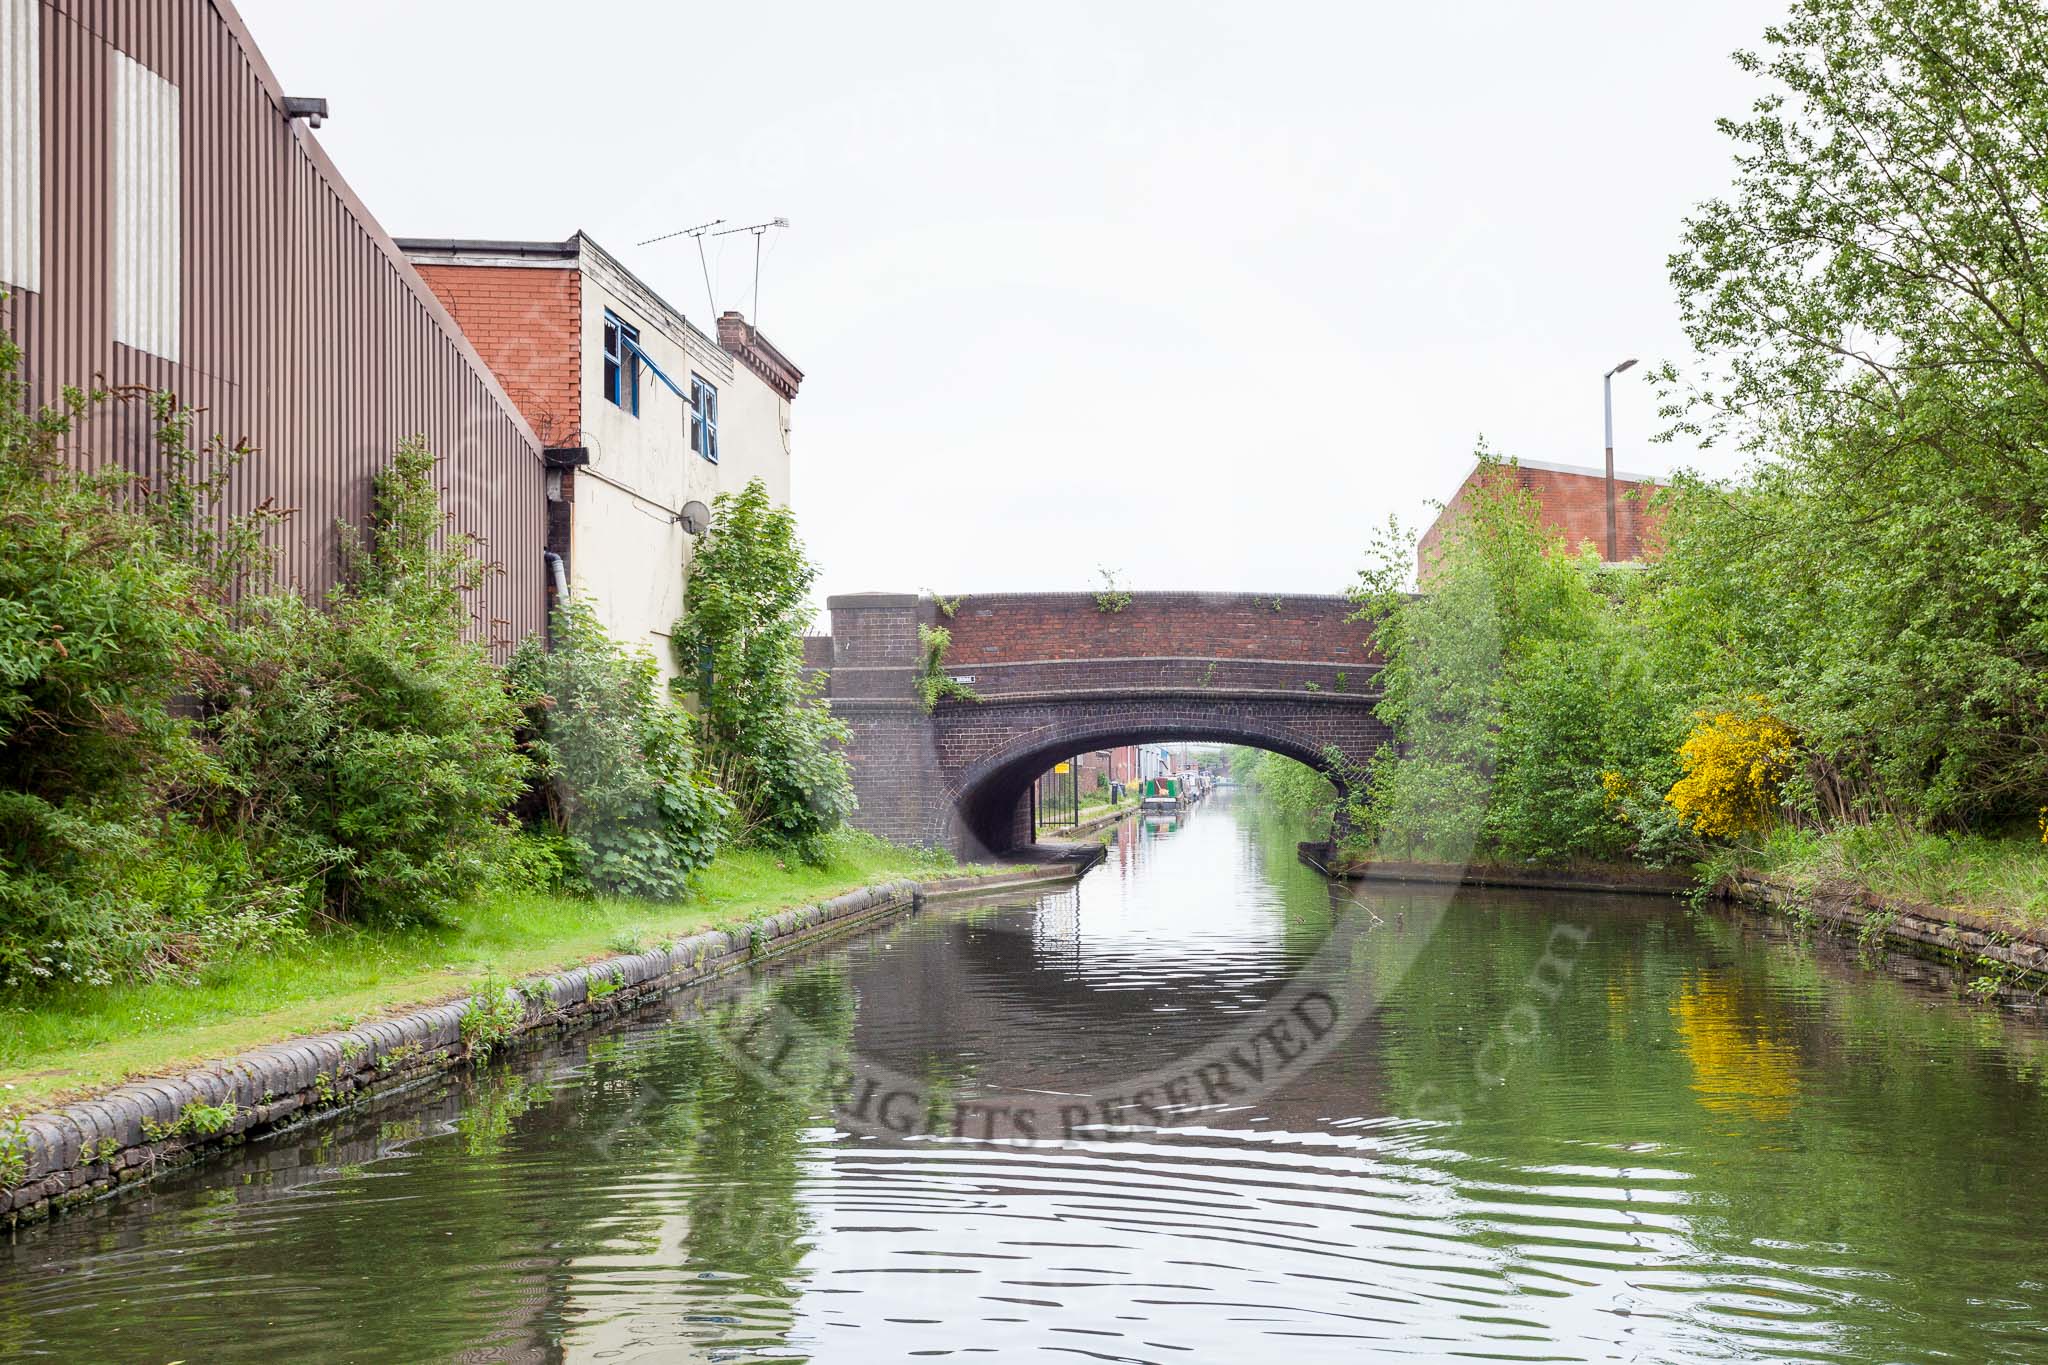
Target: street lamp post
1607, 402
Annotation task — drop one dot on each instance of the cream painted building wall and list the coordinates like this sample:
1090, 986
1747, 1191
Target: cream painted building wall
630, 552
539, 309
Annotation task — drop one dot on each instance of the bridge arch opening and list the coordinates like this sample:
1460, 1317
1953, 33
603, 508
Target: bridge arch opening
988, 812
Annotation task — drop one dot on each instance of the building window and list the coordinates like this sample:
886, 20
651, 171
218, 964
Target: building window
146, 198
703, 418
621, 363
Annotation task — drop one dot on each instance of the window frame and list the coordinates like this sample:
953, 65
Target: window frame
704, 417
621, 364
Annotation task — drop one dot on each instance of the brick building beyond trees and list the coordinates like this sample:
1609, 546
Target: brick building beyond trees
1570, 499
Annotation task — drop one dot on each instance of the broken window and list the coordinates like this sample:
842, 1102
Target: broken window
621, 363
703, 418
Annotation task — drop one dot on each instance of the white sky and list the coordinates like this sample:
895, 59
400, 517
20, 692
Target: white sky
1202, 292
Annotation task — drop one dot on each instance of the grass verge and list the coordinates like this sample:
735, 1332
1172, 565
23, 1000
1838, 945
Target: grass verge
66, 1042
2000, 879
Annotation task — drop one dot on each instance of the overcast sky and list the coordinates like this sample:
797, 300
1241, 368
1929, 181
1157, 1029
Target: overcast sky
1200, 292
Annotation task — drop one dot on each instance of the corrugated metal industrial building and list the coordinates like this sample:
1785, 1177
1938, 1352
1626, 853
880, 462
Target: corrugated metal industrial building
165, 222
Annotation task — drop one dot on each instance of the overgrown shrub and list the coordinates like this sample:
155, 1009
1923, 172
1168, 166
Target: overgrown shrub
195, 761
614, 763
1862, 304
1498, 587
1735, 765
97, 624
369, 750
1575, 711
1533, 719
934, 684
762, 730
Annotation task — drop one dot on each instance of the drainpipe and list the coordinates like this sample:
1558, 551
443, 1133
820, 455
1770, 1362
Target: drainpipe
560, 573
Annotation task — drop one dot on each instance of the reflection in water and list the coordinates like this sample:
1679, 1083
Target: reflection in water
1736, 1068
1573, 1128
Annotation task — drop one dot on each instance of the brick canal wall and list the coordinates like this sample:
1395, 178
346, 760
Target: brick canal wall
1058, 675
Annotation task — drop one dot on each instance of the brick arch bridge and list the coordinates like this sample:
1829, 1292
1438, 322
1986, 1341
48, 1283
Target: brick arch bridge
1058, 675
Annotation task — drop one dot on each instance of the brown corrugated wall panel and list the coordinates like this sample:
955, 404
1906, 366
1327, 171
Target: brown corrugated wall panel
301, 329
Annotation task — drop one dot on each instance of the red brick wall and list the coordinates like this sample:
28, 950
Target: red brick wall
1107, 765
527, 323
1013, 628
1574, 505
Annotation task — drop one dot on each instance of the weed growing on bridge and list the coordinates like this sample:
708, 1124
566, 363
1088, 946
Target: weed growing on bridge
949, 607
933, 683
1112, 599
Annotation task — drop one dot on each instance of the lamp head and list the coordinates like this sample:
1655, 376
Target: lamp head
1622, 366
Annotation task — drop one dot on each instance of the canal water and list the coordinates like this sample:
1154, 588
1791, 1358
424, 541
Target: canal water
1496, 1125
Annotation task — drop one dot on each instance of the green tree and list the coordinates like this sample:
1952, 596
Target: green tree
1496, 585
762, 729
1292, 787
1586, 739
1868, 303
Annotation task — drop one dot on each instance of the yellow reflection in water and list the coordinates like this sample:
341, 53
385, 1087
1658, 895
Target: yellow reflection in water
1736, 1069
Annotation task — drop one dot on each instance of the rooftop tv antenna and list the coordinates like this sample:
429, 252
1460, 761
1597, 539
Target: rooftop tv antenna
757, 229
698, 233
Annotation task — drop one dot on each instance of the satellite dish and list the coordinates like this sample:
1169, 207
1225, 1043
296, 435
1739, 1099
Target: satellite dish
696, 518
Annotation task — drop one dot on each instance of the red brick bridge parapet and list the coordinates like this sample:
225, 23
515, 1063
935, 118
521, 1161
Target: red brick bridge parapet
1060, 674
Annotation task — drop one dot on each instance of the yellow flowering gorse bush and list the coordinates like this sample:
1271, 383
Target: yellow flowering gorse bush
1617, 790
1734, 762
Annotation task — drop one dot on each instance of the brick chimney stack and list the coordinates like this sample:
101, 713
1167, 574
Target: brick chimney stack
742, 340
